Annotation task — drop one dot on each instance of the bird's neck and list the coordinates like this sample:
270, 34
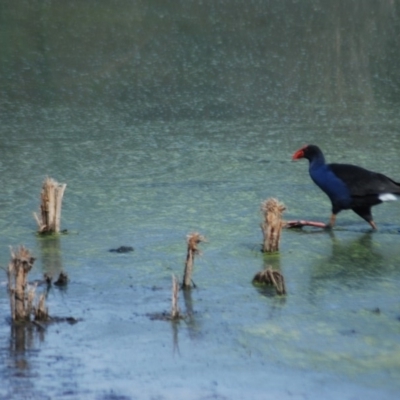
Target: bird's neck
317, 161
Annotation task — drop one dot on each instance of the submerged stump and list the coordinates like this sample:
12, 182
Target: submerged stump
62, 279
272, 225
193, 241
49, 220
271, 277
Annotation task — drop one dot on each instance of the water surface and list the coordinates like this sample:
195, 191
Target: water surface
165, 118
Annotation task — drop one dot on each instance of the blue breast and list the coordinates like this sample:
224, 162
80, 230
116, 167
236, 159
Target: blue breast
334, 187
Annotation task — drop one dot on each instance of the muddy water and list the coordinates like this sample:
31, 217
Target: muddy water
151, 152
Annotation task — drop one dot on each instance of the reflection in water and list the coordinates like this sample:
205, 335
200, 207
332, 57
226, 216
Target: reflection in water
50, 250
24, 338
352, 265
190, 321
175, 338
360, 254
277, 301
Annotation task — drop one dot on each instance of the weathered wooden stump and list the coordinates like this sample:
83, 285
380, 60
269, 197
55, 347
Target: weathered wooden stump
272, 225
49, 220
192, 242
21, 294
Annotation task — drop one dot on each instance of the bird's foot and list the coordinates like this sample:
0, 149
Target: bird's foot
373, 225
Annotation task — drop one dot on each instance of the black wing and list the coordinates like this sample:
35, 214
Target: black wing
362, 182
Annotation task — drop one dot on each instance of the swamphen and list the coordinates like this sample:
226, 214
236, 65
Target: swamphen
348, 186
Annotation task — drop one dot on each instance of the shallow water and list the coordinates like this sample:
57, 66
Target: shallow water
145, 170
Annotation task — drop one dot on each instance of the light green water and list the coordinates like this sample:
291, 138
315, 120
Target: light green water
158, 138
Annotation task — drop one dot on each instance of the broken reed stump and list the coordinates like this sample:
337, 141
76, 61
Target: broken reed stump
41, 312
175, 313
192, 242
49, 220
22, 294
272, 224
271, 277
17, 273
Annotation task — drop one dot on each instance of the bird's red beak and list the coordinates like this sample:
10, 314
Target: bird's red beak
298, 154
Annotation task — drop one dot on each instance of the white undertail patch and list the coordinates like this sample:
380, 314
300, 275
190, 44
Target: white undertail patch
387, 197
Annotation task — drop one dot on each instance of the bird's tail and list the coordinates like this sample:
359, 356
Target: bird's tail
389, 196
